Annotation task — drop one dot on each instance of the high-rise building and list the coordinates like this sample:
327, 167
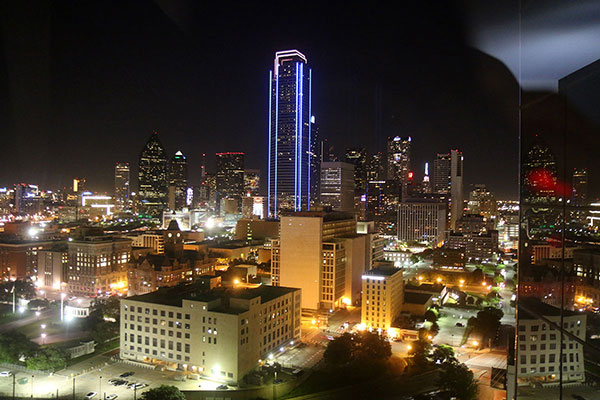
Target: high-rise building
358, 158
230, 177
441, 174
311, 255
177, 181
426, 184
122, 185
337, 186
423, 221
398, 161
375, 169
382, 205
251, 182
290, 166
580, 184
78, 185
383, 295
540, 175
153, 176
456, 187
483, 202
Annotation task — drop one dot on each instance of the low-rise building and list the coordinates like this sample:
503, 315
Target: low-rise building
477, 246
222, 333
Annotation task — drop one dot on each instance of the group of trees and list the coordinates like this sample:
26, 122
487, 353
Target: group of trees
163, 392
23, 289
486, 323
454, 376
16, 348
104, 318
358, 349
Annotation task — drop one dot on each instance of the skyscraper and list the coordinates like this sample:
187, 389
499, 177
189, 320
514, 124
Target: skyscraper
398, 157
251, 182
153, 176
337, 186
375, 171
580, 180
177, 181
441, 174
426, 184
456, 187
358, 158
230, 177
121, 185
290, 169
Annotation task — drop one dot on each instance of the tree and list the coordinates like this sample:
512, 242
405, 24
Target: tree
48, 359
470, 300
108, 307
477, 275
14, 346
419, 351
458, 380
104, 331
487, 322
340, 350
434, 329
372, 347
431, 315
443, 354
163, 392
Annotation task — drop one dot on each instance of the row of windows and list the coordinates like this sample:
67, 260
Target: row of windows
163, 313
155, 331
533, 370
573, 357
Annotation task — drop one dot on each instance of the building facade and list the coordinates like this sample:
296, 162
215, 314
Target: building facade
337, 186
219, 334
291, 145
398, 161
122, 180
383, 295
230, 177
177, 181
358, 158
153, 176
422, 222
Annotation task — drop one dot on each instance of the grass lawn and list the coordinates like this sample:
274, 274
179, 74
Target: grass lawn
53, 327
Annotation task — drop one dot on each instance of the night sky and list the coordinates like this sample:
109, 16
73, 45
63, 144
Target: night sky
83, 84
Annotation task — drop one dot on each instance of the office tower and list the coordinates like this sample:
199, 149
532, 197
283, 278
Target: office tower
382, 205
122, 185
153, 176
441, 174
398, 161
251, 182
177, 181
580, 180
78, 185
456, 187
337, 186
229, 178
290, 169
311, 255
483, 202
539, 177
423, 221
216, 333
477, 246
358, 158
383, 295
315, 161
426, 185
375, 169
97, 265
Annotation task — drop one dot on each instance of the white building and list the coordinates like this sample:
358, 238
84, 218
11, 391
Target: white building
422, 222
221, 334
539, 342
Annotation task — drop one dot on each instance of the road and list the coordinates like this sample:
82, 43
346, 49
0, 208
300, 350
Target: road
62, 337
9, 326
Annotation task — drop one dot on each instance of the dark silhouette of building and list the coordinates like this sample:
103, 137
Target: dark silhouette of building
177, 181
152, 176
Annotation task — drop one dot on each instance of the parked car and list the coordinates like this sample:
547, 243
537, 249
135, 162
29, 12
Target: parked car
222, 387
90, 395
460, 325
5, 374
117, 382
126, 374
111, 397
137, 385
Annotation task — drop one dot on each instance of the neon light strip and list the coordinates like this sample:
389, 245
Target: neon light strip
269, 162
310, 132
296, 148
276, 138
301, 151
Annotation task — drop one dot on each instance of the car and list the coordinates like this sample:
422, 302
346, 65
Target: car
5, 374
117, 382
126, 374
111, 397
136, 386
90, 395
460, 325
577, 397
222, 387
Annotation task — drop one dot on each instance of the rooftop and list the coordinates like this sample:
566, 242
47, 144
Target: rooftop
425, 287
416, 298
174, 296
383, 271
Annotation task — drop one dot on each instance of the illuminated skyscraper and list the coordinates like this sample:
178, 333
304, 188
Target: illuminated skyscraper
456, 187
290, 165
152, 178
251, 182
230, 177
375, 171
358, 157
398, 157
580, 180
441, 174
426, 185
177, 181
121, 184
337, 186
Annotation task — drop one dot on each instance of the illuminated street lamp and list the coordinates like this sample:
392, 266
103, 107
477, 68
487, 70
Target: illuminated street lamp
475, 343
62, 308
43, 326
43, 338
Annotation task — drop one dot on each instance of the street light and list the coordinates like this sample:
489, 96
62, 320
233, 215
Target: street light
43, 338
62, 309
43, 326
